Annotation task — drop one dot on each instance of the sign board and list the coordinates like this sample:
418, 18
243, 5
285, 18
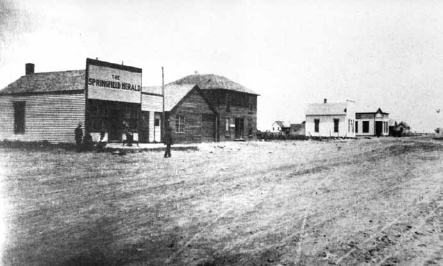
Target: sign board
113, 82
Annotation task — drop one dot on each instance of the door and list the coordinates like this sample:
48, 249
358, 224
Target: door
157, 127
378, 128
208, 128
239, 128
144, 127
115, 125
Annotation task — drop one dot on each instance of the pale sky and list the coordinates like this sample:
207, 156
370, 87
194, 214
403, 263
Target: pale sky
386, 54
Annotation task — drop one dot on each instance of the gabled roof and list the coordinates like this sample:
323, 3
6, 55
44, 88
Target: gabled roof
281, 124
404, 124
326, 109
213, 82
48, 82
175, 93
296, 127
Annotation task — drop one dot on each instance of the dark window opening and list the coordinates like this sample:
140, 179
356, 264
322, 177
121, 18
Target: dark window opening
157, 122
316, 125
228, 102
336, 123
365, 126
19, 117
356, 126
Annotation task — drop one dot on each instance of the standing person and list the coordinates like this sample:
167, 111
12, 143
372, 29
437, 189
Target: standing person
128, 134
78, 135
168, 141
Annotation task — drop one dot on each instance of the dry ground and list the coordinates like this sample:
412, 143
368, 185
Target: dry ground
353, 202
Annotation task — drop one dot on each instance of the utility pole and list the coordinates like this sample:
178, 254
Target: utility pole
163, 109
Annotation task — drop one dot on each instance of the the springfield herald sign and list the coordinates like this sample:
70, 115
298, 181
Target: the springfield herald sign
113, 82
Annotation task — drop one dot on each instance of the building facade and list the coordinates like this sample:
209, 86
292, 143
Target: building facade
330, 119
372, 123
104, 97
235, 105
189, 114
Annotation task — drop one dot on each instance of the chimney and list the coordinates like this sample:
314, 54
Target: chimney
29, 68
325, 100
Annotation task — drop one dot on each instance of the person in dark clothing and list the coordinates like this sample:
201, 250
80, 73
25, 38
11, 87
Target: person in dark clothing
78, 135
168, 141
88, 144
128, 134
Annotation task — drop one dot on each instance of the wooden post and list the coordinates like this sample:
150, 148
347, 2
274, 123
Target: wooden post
163, 127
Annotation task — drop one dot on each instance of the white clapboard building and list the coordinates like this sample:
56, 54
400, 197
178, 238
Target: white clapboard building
330, 119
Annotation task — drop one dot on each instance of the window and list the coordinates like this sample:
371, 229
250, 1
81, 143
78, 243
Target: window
336, 122
179, 124
19, 117
228, 102
250, 103
356, 126
228, 126
157, 122
316, 125
365, 126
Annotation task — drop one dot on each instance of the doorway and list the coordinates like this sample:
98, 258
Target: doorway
378, 128
157, 127
239, 128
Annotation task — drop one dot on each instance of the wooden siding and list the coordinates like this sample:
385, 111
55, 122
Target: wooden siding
237, 109
152, 103
51, 117
192, 109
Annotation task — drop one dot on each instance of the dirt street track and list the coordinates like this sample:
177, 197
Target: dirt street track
341, 202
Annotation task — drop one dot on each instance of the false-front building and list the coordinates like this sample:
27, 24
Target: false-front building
235, 105
372, 123
103, 97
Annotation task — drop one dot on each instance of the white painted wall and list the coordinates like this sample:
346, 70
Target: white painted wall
326, 128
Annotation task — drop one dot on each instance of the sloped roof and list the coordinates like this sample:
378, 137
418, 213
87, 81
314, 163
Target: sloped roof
326, 109
404, 124
48, 82
282, 124
212, 82
296, 127
175, 93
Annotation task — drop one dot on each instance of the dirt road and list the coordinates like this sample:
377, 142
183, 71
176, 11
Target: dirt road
353, 202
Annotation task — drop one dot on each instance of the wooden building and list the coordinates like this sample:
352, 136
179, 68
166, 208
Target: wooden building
372, 123
151, 116
330, 119
235, 105
43, 106
187, 111
48, 106
189, 114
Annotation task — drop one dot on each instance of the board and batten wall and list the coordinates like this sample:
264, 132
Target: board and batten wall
50, 117
152, 103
